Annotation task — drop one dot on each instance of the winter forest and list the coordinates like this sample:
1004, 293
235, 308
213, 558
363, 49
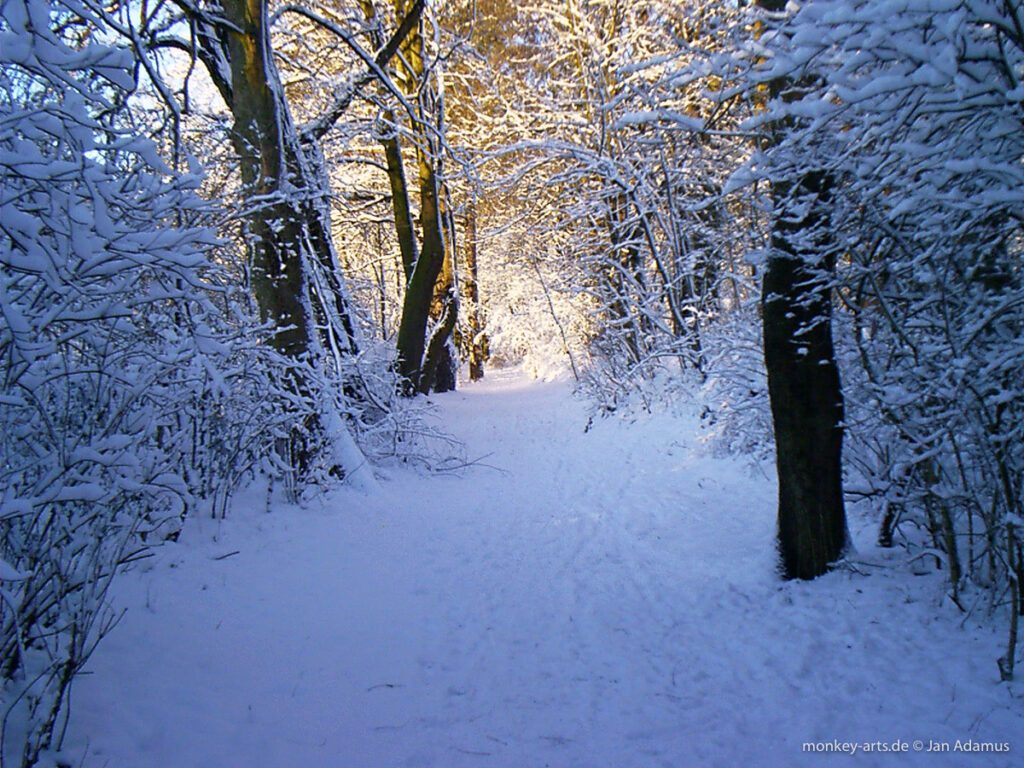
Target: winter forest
511, 383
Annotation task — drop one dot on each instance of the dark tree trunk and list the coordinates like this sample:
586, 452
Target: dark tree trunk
404, 228
439, 367
446, 375
295, 275
296, 280
803, 383
424, 365
803, 379
274, 228
419, 292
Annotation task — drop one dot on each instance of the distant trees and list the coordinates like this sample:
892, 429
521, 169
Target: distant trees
611, 170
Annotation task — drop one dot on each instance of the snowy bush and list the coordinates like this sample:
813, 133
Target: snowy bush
736, 413
131, 383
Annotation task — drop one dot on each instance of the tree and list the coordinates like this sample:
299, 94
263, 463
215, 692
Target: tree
425, 361
917, 116
803, 377
295, 274
476, 344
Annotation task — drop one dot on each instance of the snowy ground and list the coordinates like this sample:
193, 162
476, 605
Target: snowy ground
601, 599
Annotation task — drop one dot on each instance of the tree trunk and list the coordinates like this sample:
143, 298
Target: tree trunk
419, 292
420, 363
404, 228
295, 272
439, 367
296, 279
803, 379
803, 382
274, 227
476, 341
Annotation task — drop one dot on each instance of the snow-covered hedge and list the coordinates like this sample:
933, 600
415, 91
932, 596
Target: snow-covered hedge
131, 383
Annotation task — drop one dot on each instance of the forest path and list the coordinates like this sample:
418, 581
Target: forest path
601, 598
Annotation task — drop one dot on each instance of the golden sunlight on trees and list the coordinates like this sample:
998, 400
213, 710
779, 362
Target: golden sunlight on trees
249, 240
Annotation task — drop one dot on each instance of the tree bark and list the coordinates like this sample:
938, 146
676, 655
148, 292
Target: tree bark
404, 228
476, 343
803, 386
434, 259
295, 274
439, 367
803, 379
419, 292
437, 362
274, 226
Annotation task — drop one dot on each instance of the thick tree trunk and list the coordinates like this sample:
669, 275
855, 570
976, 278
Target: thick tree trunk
444, 376
274, 229
803, 379
294, 270
803, 384
438, 365
296, 280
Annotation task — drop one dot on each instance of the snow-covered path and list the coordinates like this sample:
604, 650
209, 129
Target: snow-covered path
600, 598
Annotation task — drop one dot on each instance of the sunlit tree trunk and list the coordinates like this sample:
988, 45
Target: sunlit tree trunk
420, 361
475, 343
295, 272
439, 363
275, 228
404, 227
419, 290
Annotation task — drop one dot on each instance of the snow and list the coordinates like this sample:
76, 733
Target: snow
9, 573
588, 596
